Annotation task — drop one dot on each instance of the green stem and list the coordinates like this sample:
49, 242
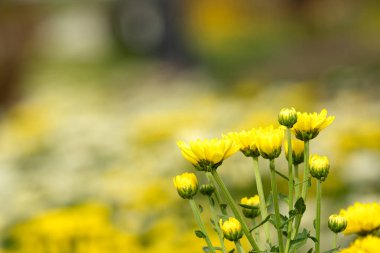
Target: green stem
297, 182
291, 187
239, 248
219, 200
260, 191
306, 173
318, 218
201, 226
234, 209
305, 185
335, 240
216, 224
275, 204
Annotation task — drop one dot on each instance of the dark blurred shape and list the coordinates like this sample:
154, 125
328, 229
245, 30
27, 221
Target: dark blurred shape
17, 24
152, 28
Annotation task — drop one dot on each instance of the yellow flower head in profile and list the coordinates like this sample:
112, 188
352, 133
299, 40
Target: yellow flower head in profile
362, 219
297, 151
208, 155
246, 140
309, 125
337, 223
269, 141
368, 244
251, 206
287, 117
319, 167
231, 229
186, 185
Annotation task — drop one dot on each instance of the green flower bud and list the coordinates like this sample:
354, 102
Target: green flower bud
337, 223
186, 185
207, 189
287, 117
231, 229
319, 167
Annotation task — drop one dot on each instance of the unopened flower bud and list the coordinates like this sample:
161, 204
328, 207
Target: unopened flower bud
337, 223
319, 167
253, 206
186, 185
231, 229
287, 117
207, 189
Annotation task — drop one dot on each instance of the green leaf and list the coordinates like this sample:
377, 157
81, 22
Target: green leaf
314, 239
332, 250
300, 206
200, 208
261, 223
274, 249
199, 234
283, 198
310, 250
299, 240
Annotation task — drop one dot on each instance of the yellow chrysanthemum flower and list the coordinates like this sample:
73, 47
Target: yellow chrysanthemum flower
254, 204
231, 229
269, 141
362, 219
186, 185
297, 151
368, 244
252, 201
309, 125
208, 155
246, 140
319, 167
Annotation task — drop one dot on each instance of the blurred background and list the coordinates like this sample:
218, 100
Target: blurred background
95, 94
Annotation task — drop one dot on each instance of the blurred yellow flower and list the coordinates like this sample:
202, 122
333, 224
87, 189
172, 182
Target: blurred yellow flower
287, 117
247, 142
337, 223
269, 141
362, 219
254, 203
368, 244
87, 226
319, 167
208, 155
231, 229
297, 151
309, 125
186, 185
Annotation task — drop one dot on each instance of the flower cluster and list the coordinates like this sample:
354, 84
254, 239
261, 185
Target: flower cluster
207, 155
